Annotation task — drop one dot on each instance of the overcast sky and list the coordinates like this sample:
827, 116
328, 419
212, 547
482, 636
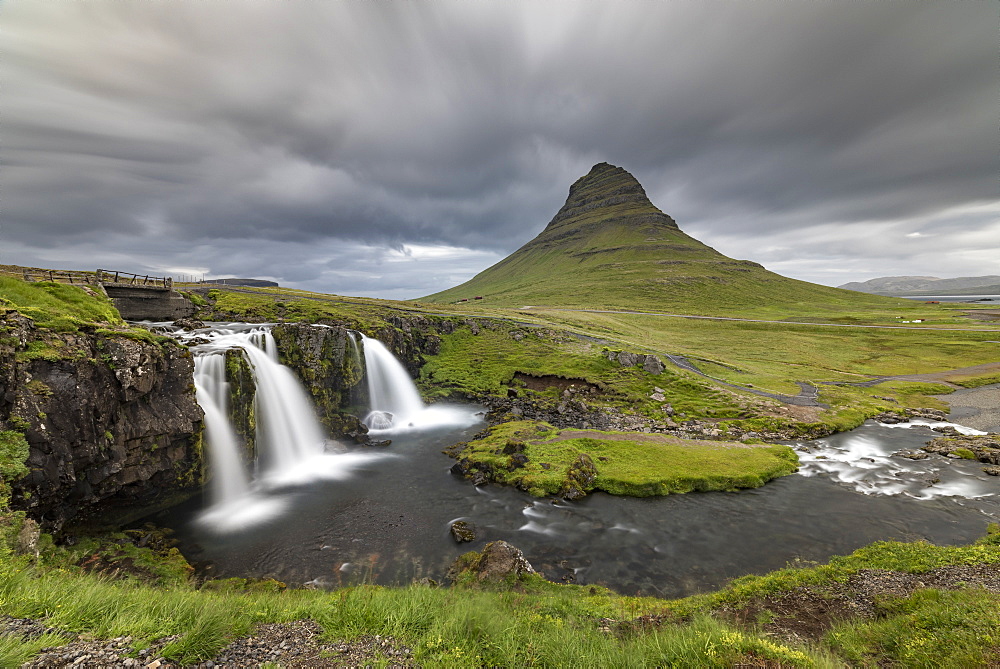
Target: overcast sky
394, 149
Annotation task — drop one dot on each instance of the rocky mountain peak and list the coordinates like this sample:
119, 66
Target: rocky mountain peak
607, 187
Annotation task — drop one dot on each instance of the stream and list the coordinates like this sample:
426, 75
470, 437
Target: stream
387, 519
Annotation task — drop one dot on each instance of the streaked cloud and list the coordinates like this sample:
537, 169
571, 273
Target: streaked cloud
394, 149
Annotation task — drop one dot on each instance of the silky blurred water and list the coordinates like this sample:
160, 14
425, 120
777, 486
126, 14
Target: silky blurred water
389, 521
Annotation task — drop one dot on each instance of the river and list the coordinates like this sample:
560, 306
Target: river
388, 521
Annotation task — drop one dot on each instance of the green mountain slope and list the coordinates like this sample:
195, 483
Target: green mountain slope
609, 247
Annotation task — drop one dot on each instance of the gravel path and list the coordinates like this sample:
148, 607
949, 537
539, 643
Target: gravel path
289, 645
978, 408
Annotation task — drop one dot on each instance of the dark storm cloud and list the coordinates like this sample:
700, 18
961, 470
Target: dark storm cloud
320, 142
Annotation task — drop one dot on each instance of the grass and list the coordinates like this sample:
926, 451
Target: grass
57, 306
623, 463
535, 625
531, 623
931, 628
770, 357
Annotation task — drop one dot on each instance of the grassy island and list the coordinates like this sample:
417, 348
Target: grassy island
543, 460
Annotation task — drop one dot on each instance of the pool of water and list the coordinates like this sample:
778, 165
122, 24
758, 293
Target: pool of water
388, 522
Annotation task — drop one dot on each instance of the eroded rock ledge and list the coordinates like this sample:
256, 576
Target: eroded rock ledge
111, 421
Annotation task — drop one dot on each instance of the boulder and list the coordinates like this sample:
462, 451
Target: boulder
626, 359
498, 562
653, 365
580, 478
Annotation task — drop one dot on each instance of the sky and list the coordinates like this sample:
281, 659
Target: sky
393, 149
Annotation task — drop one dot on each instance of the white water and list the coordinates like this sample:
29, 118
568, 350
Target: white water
292, 448
870, 463
229, 477
395, 403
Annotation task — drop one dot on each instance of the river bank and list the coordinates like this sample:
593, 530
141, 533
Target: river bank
978, 408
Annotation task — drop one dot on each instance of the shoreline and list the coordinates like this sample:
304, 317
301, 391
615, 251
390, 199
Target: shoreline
977, 408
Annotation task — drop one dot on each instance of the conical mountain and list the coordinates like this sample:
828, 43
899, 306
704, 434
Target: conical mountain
610, 247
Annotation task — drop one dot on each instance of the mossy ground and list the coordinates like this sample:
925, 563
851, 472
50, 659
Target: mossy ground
57, 306
805, 344
626, 463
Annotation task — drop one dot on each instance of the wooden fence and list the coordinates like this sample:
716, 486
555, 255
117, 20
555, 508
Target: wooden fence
115, 278
101, 277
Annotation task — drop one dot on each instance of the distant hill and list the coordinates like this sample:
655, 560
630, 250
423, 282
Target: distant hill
250, 283
928, 285
608, 246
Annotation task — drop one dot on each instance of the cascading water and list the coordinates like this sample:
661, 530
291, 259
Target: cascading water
393, 396
229, 477
291, 444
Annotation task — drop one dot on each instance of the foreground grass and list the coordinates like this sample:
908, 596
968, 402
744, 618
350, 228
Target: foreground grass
532, 623
57, 306
620, 463
541, 625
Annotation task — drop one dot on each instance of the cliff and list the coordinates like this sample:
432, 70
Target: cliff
110, 419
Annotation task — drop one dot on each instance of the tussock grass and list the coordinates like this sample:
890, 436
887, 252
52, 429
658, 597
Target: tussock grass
57, 306
537, 625
532, 623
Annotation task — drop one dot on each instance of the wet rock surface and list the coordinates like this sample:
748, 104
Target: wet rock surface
984, 448
463, 531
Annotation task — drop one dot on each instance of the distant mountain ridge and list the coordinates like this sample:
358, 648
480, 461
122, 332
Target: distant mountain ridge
608, 246
927, 285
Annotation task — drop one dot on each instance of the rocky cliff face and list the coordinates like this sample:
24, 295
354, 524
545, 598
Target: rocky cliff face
111, 421
327, 361
330, 363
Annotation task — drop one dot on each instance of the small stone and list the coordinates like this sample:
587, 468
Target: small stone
992, 471
463, 531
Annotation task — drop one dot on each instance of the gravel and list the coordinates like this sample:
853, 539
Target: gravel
287, 645
977, 408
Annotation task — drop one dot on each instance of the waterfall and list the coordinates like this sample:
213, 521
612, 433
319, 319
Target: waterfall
288, 432
292, 447
395, 403
394, 399
229, 480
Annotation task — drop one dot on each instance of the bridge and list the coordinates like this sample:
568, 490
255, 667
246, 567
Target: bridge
138, 297
141, 297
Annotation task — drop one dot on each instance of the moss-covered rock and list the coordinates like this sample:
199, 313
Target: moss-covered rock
242, 389
498, 563
327, 361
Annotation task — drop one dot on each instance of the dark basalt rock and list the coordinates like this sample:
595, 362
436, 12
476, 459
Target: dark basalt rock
984, 448
463, 531
111, 422
499, 561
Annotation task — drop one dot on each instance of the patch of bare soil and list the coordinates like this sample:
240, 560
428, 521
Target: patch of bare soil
806, 614
544, 382
983, 314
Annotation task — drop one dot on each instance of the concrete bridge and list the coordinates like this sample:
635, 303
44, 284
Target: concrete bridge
138, 297
143, 297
